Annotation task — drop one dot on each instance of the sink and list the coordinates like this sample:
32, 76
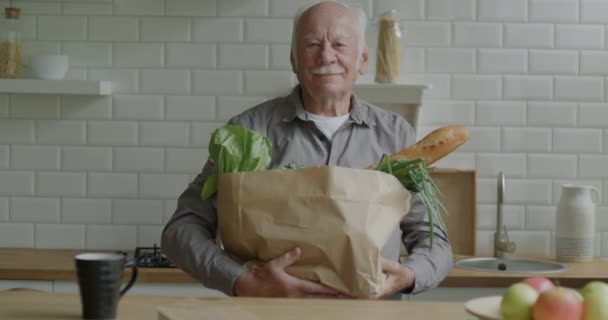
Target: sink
510, 265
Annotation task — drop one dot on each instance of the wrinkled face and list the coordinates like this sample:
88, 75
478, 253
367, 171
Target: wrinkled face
328, 60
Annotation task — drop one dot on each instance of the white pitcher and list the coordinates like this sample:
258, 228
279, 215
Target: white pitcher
575, 224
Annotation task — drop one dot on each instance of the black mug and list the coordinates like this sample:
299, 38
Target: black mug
99, 280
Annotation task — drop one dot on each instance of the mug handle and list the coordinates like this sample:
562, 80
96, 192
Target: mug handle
130, 263
597, 193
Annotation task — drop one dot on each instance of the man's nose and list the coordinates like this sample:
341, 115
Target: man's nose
327, 54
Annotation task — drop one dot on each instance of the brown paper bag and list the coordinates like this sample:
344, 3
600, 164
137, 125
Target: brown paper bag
339, 217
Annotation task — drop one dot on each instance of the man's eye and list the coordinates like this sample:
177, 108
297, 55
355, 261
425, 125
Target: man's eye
315, 44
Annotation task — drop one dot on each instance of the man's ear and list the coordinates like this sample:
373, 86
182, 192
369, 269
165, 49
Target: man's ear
364, 62
292, 59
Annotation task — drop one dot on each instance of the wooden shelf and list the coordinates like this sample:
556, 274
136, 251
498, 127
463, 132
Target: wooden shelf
34, 86
402, 98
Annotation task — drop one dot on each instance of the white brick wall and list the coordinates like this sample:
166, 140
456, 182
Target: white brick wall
60, 236
498, 10
496, 113
451, 9
511, 164
513, 217
35, 157
477, 35
477, 87
450, 60
86, 158
594, 11
551, 166
571, 88
138, 159
61, 184
35, 210
554, 61
138, 55
594, 62
137, 212
139, 7
528, 87
530, 35
86, 107
502, 61
526, 140
552, 114
113, 28
554, 11
136, 107
86, 211
190, 108
593, 115
528, 77
87, 54
4, 157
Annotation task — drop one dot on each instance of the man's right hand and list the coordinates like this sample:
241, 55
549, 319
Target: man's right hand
271, 280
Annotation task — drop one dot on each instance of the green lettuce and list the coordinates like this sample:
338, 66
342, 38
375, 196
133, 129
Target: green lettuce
234, 148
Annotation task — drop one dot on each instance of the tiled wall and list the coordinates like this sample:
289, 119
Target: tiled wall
528, 77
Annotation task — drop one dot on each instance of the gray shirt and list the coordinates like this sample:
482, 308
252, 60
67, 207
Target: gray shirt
189, 237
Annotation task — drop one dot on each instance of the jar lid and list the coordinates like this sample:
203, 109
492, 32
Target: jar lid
392, 15
12, 13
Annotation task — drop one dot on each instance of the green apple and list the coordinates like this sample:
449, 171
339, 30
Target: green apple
595, 304
517, 302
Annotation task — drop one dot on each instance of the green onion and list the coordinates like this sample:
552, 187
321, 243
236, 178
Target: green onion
414, 176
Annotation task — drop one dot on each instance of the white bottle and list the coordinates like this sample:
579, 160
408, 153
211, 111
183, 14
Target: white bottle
575, 224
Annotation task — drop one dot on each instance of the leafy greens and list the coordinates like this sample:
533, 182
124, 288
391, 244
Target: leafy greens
233, 148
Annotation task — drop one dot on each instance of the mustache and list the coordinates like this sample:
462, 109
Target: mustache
328, 69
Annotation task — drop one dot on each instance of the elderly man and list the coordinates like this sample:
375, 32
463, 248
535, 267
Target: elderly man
320, 123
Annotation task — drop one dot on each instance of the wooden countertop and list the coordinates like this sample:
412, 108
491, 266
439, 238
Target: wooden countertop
55, 264
29, 305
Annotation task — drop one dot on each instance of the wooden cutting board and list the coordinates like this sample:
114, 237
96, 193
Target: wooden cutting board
458, 188
307, 309
459, 198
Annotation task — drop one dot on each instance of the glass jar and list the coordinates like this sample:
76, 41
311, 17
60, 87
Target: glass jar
388, 53
10, 45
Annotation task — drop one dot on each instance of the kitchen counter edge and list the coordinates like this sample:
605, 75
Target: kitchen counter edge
57, 264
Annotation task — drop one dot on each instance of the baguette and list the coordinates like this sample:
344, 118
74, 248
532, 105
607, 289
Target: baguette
433, 146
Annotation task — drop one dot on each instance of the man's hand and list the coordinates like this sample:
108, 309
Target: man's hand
271, 280
397, 278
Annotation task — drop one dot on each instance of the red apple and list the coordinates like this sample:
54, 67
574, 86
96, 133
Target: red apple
559, 303
541, 284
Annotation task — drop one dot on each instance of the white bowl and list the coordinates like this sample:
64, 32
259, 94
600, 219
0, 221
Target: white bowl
50, 66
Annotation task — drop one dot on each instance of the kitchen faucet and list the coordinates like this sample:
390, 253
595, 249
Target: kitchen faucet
501, 236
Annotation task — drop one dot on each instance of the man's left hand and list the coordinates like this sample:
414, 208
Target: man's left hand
397, 278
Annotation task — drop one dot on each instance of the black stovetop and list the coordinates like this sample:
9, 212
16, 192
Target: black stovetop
152, 257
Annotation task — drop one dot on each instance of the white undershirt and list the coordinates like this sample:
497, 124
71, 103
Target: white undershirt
327, 125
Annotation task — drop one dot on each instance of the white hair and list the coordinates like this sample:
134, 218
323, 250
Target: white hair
357, 11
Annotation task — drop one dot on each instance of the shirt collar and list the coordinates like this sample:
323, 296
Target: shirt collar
295, 109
